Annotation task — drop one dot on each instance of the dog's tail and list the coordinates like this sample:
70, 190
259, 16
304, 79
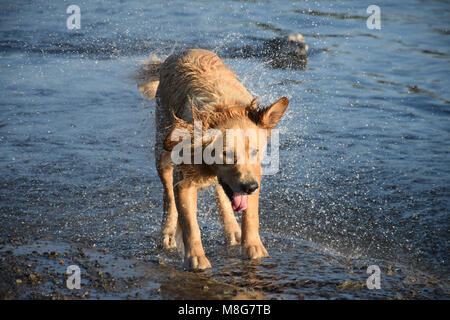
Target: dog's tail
147, 77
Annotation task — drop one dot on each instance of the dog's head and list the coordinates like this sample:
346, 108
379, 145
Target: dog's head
230, 142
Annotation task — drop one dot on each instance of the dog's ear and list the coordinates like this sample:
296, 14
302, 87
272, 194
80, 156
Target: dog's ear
267, 118
180, 131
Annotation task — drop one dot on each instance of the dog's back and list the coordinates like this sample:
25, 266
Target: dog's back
194, 76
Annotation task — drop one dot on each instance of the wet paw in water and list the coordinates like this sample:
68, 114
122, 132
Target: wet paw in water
233, 237
199, 262
254, 251
167, 240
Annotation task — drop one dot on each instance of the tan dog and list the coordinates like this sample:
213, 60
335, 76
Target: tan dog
195, 85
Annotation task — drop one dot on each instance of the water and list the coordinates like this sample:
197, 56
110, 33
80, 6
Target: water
364, 174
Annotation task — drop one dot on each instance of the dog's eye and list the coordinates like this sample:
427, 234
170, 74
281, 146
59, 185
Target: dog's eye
228, 159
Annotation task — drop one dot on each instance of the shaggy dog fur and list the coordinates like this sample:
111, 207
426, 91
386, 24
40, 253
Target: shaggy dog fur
195, 85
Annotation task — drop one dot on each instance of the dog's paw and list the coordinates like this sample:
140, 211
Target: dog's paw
254, 251
233, 238
197, 262
168, 241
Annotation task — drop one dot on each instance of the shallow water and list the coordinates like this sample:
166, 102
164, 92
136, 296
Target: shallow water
364, 158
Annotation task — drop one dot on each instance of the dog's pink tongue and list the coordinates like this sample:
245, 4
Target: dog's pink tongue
239, 202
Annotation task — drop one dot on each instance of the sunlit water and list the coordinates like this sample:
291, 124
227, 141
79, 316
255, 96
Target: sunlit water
364, 158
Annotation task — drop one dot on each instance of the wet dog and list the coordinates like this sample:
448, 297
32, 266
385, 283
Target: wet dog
279, 53
196, 93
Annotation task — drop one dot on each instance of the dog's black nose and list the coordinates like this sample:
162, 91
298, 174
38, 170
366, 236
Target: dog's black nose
250, 187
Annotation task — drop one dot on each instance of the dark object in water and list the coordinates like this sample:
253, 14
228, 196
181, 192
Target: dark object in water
280, 53
288, 53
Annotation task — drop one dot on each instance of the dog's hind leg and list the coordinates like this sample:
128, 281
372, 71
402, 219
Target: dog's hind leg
170, 214
231, 229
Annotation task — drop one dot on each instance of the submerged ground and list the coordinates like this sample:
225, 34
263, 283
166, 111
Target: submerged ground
364, 170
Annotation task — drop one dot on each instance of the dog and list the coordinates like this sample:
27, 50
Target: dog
279, 53
195, 86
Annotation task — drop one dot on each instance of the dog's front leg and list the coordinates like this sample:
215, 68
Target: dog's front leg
186, 200
252, 246
231, 228
170, 214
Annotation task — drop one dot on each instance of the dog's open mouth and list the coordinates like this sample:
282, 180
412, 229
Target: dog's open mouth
238, 201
